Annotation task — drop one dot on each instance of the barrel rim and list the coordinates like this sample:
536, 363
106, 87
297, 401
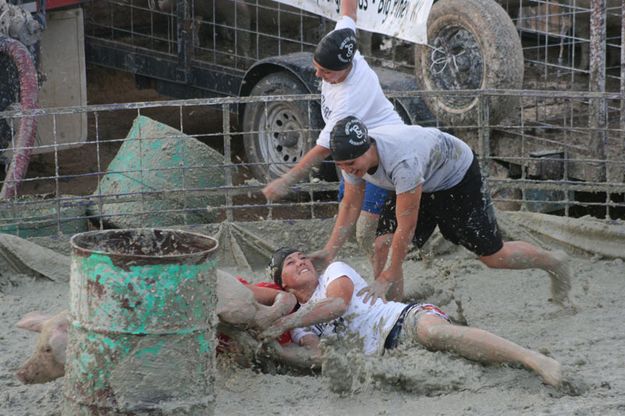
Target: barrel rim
202, 253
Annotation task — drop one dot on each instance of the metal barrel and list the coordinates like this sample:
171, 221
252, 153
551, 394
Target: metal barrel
142, 333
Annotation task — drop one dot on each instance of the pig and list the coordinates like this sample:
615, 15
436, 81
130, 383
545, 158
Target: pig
48, 361
236, 307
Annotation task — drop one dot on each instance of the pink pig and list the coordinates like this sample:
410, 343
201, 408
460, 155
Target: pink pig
48, 361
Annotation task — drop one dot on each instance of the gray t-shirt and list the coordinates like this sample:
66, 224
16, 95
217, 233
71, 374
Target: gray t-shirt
412, 155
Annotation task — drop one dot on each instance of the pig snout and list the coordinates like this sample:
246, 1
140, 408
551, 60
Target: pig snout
40, 368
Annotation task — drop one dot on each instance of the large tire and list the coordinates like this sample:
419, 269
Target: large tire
473, 45
278, 134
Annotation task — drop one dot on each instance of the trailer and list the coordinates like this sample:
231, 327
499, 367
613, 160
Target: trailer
475, 75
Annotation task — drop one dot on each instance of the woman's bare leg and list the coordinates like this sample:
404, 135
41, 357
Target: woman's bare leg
479, 345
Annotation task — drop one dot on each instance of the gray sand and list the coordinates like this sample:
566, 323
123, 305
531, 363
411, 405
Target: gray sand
513, 304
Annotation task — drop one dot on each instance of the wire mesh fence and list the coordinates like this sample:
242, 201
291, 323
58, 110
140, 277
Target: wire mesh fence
168, 163
563, 41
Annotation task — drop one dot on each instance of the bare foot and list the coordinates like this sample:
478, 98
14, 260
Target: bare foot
548, 369
267, 315
560, 278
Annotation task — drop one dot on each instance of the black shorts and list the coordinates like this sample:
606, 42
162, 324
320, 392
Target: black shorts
464, 214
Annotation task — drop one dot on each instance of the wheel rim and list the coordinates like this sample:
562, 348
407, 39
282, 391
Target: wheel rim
282, 140
456, 63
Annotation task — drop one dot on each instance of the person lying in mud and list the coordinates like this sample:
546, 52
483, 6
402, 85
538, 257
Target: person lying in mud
348, 86
329, 304
238, 310
436, 181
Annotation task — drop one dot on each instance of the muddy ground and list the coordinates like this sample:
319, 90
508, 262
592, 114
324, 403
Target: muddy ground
514, 304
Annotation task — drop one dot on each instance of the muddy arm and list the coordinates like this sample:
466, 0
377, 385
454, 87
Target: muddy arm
307, 355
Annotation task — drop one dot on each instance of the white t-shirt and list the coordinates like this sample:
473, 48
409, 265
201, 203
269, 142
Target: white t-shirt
413, 155
369, 323
360, 95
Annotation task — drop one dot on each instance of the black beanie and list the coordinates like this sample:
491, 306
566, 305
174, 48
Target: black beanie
277, 260
336, 50
349, 139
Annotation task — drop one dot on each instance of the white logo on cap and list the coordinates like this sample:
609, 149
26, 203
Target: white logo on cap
347, 46
353, 126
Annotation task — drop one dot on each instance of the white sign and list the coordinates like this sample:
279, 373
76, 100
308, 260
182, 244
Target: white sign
403, 19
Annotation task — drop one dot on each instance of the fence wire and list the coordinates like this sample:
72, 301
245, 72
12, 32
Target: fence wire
166, 163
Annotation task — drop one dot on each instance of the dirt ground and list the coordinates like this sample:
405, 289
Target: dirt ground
513, 304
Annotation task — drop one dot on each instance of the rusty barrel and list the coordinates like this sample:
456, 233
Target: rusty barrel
142, 333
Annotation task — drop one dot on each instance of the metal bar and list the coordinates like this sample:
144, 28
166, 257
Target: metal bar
225, 110
622, 86
184, 32
597, 82
484, 133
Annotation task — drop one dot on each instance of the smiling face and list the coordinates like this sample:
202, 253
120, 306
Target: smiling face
298, 272
357, 167
331, 77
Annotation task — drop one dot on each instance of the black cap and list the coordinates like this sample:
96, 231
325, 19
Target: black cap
349, 139
336, 50
277, 260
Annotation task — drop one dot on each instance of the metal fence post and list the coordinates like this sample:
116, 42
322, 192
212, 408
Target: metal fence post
598, 108
483, 125
225, 110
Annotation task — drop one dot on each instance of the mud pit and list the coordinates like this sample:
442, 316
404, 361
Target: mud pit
513, 304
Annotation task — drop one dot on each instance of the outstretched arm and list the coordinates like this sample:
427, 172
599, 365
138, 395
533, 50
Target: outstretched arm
305, 355
279, 188
349, 210
407, 213
349, 8
391, 281
339, 294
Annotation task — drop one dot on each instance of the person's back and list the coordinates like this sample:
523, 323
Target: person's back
414, 155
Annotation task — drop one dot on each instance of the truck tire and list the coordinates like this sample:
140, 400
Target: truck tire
278, 134
472, 45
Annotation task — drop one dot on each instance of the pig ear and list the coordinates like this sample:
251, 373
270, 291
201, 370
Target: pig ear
32, 321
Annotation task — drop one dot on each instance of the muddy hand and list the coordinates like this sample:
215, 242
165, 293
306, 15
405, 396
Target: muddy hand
271, 333
276, 189
373, 292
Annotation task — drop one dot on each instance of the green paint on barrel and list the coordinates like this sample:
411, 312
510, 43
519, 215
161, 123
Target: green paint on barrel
142, 336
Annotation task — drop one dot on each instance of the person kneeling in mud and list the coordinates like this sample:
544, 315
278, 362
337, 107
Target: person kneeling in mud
329, 304
435, 180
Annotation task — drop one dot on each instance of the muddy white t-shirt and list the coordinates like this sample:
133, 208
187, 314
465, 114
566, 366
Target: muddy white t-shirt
369, 323
360, 95
412, 155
